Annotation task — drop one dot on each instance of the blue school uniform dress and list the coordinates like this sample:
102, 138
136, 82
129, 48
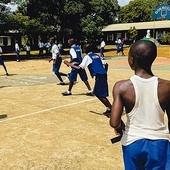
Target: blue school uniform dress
1, 61
146, 139
76, 54
97, 70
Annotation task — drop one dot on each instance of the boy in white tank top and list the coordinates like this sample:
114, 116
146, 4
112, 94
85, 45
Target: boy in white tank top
146, 98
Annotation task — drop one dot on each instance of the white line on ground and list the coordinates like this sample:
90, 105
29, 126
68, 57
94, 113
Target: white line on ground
26, 80
42, 111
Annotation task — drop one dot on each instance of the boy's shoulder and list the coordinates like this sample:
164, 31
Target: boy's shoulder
165, 83
123, 85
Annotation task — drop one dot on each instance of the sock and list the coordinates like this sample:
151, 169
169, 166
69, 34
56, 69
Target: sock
107, 108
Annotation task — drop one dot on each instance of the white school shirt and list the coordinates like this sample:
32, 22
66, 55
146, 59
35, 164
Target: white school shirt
41, 44
146, 119
55, 51
16, 46
72, 52
1, 51
102, 45
28, 48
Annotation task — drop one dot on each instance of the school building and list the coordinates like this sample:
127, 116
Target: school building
157, 28
7, 41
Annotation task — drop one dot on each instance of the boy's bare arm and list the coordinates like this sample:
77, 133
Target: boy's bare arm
164, 97
117, 109
71, 65
168, 115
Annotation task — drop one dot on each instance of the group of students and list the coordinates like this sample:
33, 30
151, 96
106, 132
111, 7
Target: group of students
145, 98
47, 46
96, 66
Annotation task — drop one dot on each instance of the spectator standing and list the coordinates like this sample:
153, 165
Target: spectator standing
41, 48
2, 62
48, 48
28, 49
123, 42
118, 46
60, 46
102, 45
17, 51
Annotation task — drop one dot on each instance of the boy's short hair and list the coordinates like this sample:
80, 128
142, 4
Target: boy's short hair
52, 38
143, 52
90, 48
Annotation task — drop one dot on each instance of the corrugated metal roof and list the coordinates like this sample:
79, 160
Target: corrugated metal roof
137, 25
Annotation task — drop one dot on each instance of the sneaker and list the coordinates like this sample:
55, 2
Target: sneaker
7, 74
61, 83
66, 93
107, 113
18, 60
89, 94
68, 75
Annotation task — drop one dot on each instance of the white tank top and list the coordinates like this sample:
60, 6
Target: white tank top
146, 119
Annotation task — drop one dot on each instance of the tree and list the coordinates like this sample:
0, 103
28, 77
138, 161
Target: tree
166, 38
132, 33
78, 18
24, 24
100, 13
4, 11
139, 10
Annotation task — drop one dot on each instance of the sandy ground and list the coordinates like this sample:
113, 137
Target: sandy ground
47, 131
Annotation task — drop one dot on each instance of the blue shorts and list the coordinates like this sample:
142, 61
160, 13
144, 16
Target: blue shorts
74, 72
101, 50
168, 158
147, 154
56, 66
1, 61
101, 85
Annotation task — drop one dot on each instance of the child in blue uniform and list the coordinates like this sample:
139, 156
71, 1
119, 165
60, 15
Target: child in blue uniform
2, 62
97, 70
57, 60
76, 59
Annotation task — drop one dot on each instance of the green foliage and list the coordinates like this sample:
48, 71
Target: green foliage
166, 38
139, 10
78, 18
24, 24
5, 1
4, 11
132, 34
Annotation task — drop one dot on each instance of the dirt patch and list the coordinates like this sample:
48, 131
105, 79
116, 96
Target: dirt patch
45, 130
163, 51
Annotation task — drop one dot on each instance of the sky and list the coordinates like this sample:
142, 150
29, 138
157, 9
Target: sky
13, 7
120, 2
123, 2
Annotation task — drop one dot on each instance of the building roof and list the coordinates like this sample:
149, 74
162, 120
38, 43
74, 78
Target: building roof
137, 25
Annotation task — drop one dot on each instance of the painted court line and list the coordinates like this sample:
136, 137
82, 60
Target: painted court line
26, 80
46, 110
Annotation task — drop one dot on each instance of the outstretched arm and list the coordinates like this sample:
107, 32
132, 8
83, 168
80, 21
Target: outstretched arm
117, 110
71, 65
